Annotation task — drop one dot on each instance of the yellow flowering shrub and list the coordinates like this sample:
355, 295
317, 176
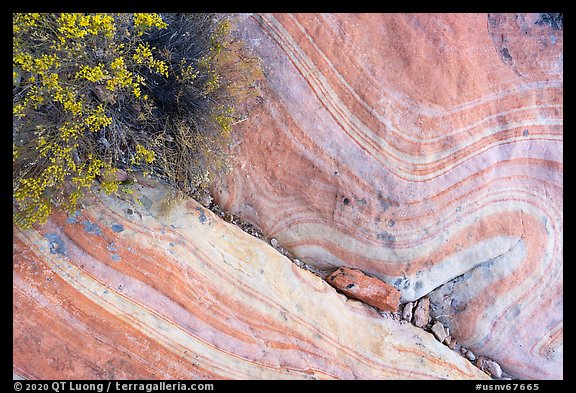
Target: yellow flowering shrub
93, 74
143, 55
143, 154
95, 92
58, 60
143, 22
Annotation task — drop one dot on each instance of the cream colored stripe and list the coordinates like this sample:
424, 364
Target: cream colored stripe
416, 107
395, 160
162, 331
496, 202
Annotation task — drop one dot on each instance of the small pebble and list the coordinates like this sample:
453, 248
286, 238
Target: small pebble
421, 312
454, 345
407, 311
470, 355
481, 362
494, 369
121, 175
274, 242
439, 332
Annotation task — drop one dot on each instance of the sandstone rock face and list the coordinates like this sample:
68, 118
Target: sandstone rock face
355, 284
129, 290
424, 150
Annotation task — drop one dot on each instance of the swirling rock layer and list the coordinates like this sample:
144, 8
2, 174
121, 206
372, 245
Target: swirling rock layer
149, 291
424, 150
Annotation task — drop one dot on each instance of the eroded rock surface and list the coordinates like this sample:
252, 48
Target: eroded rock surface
421, 149
127, 290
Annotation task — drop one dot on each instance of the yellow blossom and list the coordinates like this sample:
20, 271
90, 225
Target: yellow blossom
143, 154
93, 74
143, 22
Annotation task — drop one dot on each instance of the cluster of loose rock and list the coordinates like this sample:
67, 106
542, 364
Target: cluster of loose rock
418, 313
232, 219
